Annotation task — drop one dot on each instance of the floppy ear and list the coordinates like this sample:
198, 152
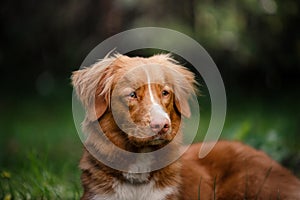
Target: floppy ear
184, 90
185, 86
93, 86
183, 107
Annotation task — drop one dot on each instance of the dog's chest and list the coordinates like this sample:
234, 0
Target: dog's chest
146, 191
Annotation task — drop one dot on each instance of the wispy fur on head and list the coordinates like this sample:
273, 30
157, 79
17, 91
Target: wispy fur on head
94, 83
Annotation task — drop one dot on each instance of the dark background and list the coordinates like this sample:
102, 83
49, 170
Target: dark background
255, 44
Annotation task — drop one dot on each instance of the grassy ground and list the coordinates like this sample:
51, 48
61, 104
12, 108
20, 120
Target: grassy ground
40, 148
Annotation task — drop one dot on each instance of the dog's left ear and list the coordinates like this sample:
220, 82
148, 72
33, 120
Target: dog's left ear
183, 107
184, 88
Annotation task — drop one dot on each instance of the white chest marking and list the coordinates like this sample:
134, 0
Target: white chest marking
139, 171
127, 191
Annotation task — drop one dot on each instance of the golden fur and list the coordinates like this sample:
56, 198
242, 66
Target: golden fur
230, 171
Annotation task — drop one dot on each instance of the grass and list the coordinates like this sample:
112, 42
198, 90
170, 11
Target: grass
38, 180
40, 148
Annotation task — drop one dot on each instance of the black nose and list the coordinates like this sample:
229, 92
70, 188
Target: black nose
160, 125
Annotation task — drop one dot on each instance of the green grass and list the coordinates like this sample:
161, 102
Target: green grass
40, 148
39, 180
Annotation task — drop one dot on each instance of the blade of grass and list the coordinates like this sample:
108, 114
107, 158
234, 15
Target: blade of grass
246, 185
266, 177
278, 195
1, 191
199, 188
215, 180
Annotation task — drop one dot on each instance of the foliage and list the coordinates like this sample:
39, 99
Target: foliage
40, 155
256, 40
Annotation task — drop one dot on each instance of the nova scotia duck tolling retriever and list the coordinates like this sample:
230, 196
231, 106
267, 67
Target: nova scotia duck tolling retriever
134, 107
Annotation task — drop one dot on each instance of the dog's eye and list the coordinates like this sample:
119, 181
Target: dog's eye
133, 95
165, 93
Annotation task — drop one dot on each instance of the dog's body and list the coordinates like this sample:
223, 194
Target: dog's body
139, 104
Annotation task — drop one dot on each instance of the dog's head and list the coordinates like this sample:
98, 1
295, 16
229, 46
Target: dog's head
143, 98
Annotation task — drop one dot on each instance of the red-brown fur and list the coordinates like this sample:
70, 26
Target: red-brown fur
238, 172
231, 170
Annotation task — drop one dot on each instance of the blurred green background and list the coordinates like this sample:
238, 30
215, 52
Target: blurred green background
255, 44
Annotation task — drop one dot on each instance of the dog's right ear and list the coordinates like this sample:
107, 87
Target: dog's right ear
93, 86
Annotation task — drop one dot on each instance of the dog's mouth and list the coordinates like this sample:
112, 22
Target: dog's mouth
145, 137
158, 141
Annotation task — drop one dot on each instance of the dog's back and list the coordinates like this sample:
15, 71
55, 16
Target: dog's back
233, 170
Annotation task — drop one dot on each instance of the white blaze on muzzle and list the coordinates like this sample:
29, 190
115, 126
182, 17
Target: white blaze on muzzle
157, 113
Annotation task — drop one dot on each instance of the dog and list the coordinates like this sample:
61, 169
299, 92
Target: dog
139, 104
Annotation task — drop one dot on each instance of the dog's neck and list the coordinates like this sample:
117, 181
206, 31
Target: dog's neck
141, 162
